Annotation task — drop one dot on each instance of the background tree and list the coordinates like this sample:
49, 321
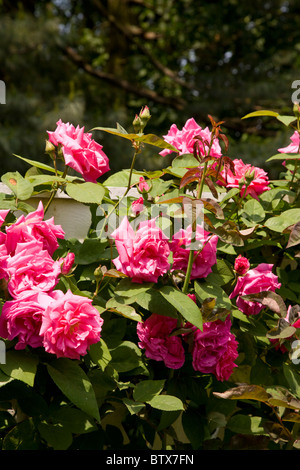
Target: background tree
97, 62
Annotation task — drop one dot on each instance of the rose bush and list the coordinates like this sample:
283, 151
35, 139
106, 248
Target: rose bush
174, 324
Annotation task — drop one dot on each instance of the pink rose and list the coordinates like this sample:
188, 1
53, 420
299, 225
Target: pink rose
256, 280
80, 151
143, 185
143, 255
241, 265
294, 146
3, 214
215, 349
184, 140
70, 325
154, 335
258, 184
67, 263
31, 268
204, 259
138, 205
33, 227
22, 318
3, 257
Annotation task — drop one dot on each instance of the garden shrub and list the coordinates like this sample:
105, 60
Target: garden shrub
174, 324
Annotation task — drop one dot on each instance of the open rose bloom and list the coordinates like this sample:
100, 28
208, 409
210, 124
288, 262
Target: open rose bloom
294, 146
80, 151
256, 280
184, 140
70, 325
34, 227
243, 171
205, 257
37, 314
215, 349
155, 337
143, 255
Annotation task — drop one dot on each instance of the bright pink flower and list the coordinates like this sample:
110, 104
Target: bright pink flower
138, 205
3, 257
257, 186
256, 280
67, 263
143, 255
154, 335
22, 318
184, 140
215, 349
80, 151
3, 214
143, 185
204, 259
241, 265
192, 296
294, 146
33, 227
31, 268
70, 325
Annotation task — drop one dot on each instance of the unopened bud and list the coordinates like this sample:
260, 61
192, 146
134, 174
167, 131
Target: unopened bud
50, 149
249, 176
144, 116
296, 109
137, 124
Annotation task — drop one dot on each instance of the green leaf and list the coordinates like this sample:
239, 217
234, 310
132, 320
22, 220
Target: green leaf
88, 193
284, 220
184, 305
148, 389
100, 354
127, 288
40, 165
126, 311
150, 139
185, 161
192, 421
45, 179
55, 436
153, 301
21, 437
284, 156
261, 112
204, 290
134, 407
121, 178
89, 251
244, 424
166, 403
75, 385
286, 120
126, 356
223, 272
21, 187
20, 365
293, 379
253, 211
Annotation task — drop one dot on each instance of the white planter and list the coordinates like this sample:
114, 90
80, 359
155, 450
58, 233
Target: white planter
74, 217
